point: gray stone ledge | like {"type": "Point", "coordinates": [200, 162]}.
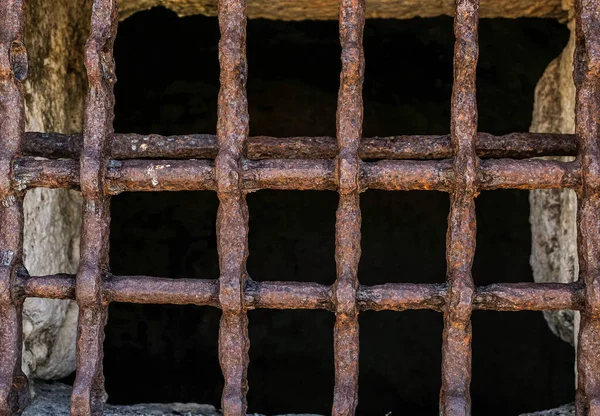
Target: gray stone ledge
{"type": "Point", "coordinates": [566, 410]}
{"type": "Point", "coordinates": [53, 399]}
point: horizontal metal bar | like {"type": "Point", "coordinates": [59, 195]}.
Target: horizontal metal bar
{"type": "Point", "coordinates": [157, 290]}
{"type": "Point", "coordinates": [307, 295]}
{"type": "Point", "coordinates": [297, 174]}
{"type": "Point", "coordinates": [527, 174]}
{"type": "Point", "coordinates": [402, 296]}
{"type": "Point", "coordinates": [204, 146]}
{"type": "Point", "coordinates": [406, 175]}
{"type": "Point", "coordinates": [55, 286]}
{"type": "Point", "coordinates": [280, 295]}
{"type": "Point", "coordinates": [529, 297]}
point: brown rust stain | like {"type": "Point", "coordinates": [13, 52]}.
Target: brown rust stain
{"type": "Point", "coordinates": [13, 71]}
{"type": "Point", "coordinates": [204, 146]}
{"type": "Point", "coordinates": [455, 398]}
{"type": "Point", "coordinates": [587, 128]}
{"type": "Point", "coordinates": [232, 215]}
{"type": "Point", "coordinates": [348, 216]}
{"type": "Point", "coordinates": [306, 295]}
{"type": "Point", "coordinates": [88, 395]}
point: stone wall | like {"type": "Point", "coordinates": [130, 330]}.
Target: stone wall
{"type": "Point", "coordinates": [328, 9]}
{"type": "Point", "coordinates": [553, 212]}
{"type": "Point", "coordinates": [54, 93]}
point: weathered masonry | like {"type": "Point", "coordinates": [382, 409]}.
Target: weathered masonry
{"type": "Point", "coordinates": [232, 164]}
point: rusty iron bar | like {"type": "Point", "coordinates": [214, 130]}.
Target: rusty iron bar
{"type": "Point", "coordinates": [14, 390]}
{"type": "Point", "coordinates": [88, 395]}
{"type": "Point", "coordinates": [587, 128]}
{"type": "Point", "coordinates": [509, 297]}
{"type": "Point", "coordinates": [204, 146]}
{"type": "Point", "coordinates": [348, 217]}
{"type": "Point", "coordinates": [297, 174]}
{"type": "Point", "coordinates": [232, 214]}
{"type": "Point", "coordinates": [455, 397]}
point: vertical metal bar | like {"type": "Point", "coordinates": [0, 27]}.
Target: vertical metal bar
{"type": "Point", "coordinates": [232, 215]}
{"type": "Point", "coordinates": [455, 397]}
{"type": "Point", "coordinates": [13, 70]}
{"type": "Point", "coordinates": [348, 217]}
{"type": "Point", "coordinates": [587, 128]}
{"type": "Point", "coordinates": [89, 395]}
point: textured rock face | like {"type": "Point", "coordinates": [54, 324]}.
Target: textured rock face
{"type": "Point", "coordinates": [54, 95]}
{"type": "Point", "coordinates": [51, 245]}
{"type": "Point", "coordinates": [566, 410]}
{"type": "Point", "coordinates": [553, 212]}
{"type": "Point", "coordinates": [328, 9]}
{"type": "Point", "coordinates": [54, 400]}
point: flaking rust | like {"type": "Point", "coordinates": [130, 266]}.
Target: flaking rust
{"type": "Point", "coordinates": [204, 146]}
{"type": "Point", "coordinates": [232, 215]}
{"type": "Point", "coordinates": [455, 397]}
{"type": "Point", "coordinates": [587, 128]}
{"type": "Point", "coordinates": [348, 215]}
{"type": "Point", "coordinates": [89, 396]}
{"type": "Point", "coordinates": [13, 71]}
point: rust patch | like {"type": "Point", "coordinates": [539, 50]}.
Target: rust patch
{"type": "Point", "coordinates": [232, 215]}
{"type": "Point", "coordinates": [89, 396]}
{"type": "Point", "coordinates": [587, 128]}
{"type": "Point", "coordinates": [14, 391]}
{"type": "Point", "coordinates": [204, 146]}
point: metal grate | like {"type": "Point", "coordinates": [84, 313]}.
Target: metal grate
{"type": "Point", "coordinates": [110, 164]}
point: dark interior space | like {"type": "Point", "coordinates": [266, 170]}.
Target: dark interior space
{"type": "Point", "coordinates": [167, 69]}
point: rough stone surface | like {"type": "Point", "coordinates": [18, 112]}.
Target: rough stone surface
{"type": "Point", "coordinates": [553, 212]}
{"type": "Point", "coordinates": [566, 410]}
{"type": "Point", "coordinates": [328, 9]}
{"type": "Point", "coordinates": [54, 93]}
{"type": "Point", "coordinates": [53, 399]}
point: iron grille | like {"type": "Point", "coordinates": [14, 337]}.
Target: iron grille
{"type": "Point", "coordinates": [233, 164]}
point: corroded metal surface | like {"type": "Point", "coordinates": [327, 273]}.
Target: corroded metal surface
{"type": "Point", "coordinates": [348, 217]}
{"type": "Point", "coordinates": [13, 70]}
{"type": "Point", "coordinates": [232, 215]}
{"type": "Point", "coordinates": [88, 390]}
{"type": "Point", "coordinates": [587, 128]}
{"type": "Point", "coordinates": [306, 295]}
{"type": "Point", "coordinates": [461, 164]}
{"type": "Point", "coordinates": [288, 174]}
{"type": "Point", "coordinates": [455, 397]}
{"type": "Point", "coordinates": [204, 146]}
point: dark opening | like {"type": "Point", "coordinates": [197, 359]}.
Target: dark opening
{"type": "Point", "coordinates": [168, 84]}
{"type": "Point", "coordinates": [400, 363]}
